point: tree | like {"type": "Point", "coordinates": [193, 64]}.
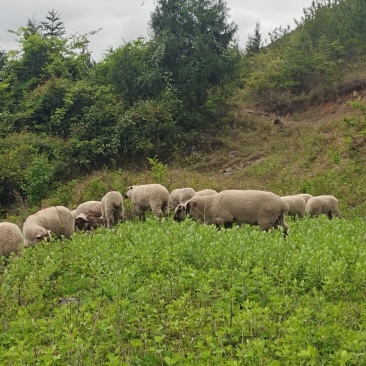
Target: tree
{"type": "Point", "coordinates": [254, 42]}
{"type": "Point", "coordinates": [53, 26]}
{"type": "Point", "coordinates": [38, 176]}
{"type": "Point", "coordinates": [195, 38]}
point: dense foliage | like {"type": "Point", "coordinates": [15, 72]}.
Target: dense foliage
{"type": "Point", "coordinates": [308, 64]}
{"type": "Point", "coordinates": [163, 293]}
{"type": "Point", "coordinates": [146, 98]}
{"type": "Point", "coordinates": [166, 96]}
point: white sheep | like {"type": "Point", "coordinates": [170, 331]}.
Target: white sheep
{"type": "Point", "coordinates": [149, 196]}
{"type": "Point", "coordinates": [88, 215]}
{"type": "Point", "coordinates": [325, 204]}
{"type": "Point", "coordinates": [180, 195]}
{"type": "Point", "coordinates": [112, 208]}
{"type": "Point", "coordinates": [237, 206]}
{"type": "Point", "coordinates": [56, 220]}
{"type": "Point", "coordinates": [11, 238]}
{"type": "Point", "coordinates": [206, 192]}
{"type": "Point", "coordinates": [296, 204]}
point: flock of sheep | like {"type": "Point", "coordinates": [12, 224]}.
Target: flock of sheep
{"type": "Point", "coordinates": [227, 207]}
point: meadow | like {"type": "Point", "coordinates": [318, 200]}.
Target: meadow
{"type": "Point", "coordinates": [163, 293]}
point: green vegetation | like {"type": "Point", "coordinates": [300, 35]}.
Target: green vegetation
{"type": "Point", "coordinates": [312, 63]}
{"type": "Point", "coordinates": [187, 108]}
{"type": "Point", "coordinates": [163, 293]}
{"type": "Point", "coordinates": [180, 96]}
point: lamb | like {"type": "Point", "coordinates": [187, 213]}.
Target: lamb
{"type": "Point", "coordinates": [11, 238]}
{"type": "Point", "coordinates": [56, 220]}
{"type": "Point", "coordinates": [237, 206]}
{"type": "Point", "coordinates": [296, 204]}
{"type": "Point", "coordinates": [206, 192]}
{"type": "Point", "coordinates": [88, 215]}
{"type": "Point", "coordinates": [112, 208]}
{"type": "Point", "coordinates": [180, 195]}
{"type": "Point", "coordinates": [149, 196]}
{"type": "Point", "coordinates": [324, 204]}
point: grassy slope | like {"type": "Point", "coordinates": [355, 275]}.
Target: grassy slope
{"type": "Point", "coordinates": [310, 152]}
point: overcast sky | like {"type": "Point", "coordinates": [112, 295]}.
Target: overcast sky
{"type": "Point", "coordinates": [125, 20]}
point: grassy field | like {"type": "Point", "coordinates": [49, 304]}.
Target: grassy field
{"type": "Point", "coordinates": [163, 293]}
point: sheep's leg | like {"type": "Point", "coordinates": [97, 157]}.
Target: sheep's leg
{"type": "Point", "coordinates": [157, 210]}
{"type": "Point", "coordinates": [165, 209]}
{"type": "Point", "coordinates": [329, 214]}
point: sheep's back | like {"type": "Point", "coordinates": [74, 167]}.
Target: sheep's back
{"type": "Point", "coordinates": [58, 219]}
{"type": "Point", "coordinates": [146, 193]}
{"type": "Point", "coordinates": [244, 206]}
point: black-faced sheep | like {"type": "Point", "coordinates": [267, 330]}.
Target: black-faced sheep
{"type": "Point", "coordinates": [88, 215]}
{"type": "Point", "coordinates": [149, 196]}
{"type": "Point", "coordinates": [11, 238]}
{"type": "Point", "coordinates": [296, 204]}
{"type": "Point", "coordinates": [112, 208]}
{"type": "Point", "coordinates": [57, 221]}
{"type": "Point", "coordinates": [180, 195]}
{"type": "Point", "coordinates": [325, 204]}
{"type": "Point", "coordinates": [237, 206]}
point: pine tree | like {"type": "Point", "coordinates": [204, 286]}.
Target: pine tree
{"type": "Point", "coordinates": [53, 26]}
{"type": "Point", "coordinates": [254, 42]}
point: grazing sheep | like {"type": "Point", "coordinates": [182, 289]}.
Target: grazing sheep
{"type": "Point", "coordinates": [305, 196]}
{"type": "Point", "coordinates": [88, 215]}
{"type": "Point", "coordinates": [325, 204]}
{"type": "Point", "coordinates": [180, 195]}
{"type": "Point", "coordinates": [149, 196]}
{"type": "Point", "coordinates": [237, 206]}
{"type": "Point", "coordinates": [296, 205]}
{"type": "Point", "coordinates": [206, 192]}
{"type": "Point", "coordinates": [112, 208]}
{"type": "Point", "coordinates": [56, 220]}
{"type": "Point", "coordinates": [11, 238]}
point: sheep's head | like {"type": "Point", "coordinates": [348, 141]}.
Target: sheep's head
{"type": "Point", "coordinates": [82, 222]}
{"type": "Point", "coordinates": [41, 234]}
{"type": "Point", "coordinates": [180, 212]}
{"type": "Point", "coordinates": [129, 192]}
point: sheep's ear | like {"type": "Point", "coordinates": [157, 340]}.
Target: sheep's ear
{"type": "Point", "coordinates": [187, 206]}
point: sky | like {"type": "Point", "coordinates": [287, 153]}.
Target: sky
{"type": "Point", "coordinates": [125, 20]}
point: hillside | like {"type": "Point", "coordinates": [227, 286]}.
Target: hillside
{"type": "Point", "coordinates": [310, 151]}
{"type": "Point", "coordinates": [313, 151]}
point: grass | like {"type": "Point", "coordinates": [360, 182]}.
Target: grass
{"type": "Point", "coordinates": [163, 293]}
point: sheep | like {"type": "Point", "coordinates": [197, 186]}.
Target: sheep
{"type": "Point", "coordinates": [296, 204]}
{"type": "Point", "coordinates": [56, 220]}
{"type": "Point", "coordinates": [325, 204]}
{"type": "Point", "coordinates": [180, 195]}
{"type": "Point", "coordinates": [11, 238]}
{"type": "Point", "coordinates": [145, 196]}
{"type": "Point", "coordinates": [112, 208]}
{"type": "Point", "coordinates": [206, 192]}
{"type": "Point", "coordinates": [237, 206]}
{"type": "Point", "coordinates": [88, 215]}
